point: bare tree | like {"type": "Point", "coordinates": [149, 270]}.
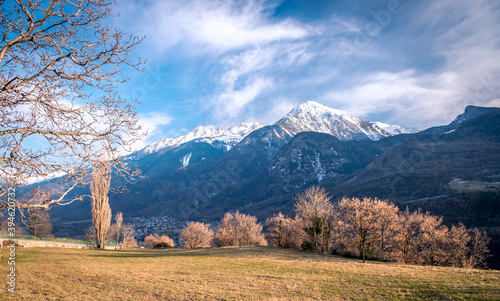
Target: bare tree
{"type": "Point", "coordinates": [406, 238]}
{"type": "Point", "coordinates": [464, 247]}
{"type": "Point", "coordinates": [90, 235]}
{"type": "Point", "coordinates": [314, 208]}
{"type": "Point", "coordinates": [59, 68]}
{"type": "Point", "coordinates": [276, 226]}
{"type": "Point", "coordinates": [118, 223]}
{"type": "Point", "coordinates": [197, 235]}
{"type": "Point", "coordinates": [127, 230]}
{"type": "Point", "coordinates": [37, 222]}
{"type": "Point", "coordinates": [239, 229]}
{"type": "Point", "coordinates": [101, 212]}
{"type": "Point", "coordinates": [286, 232]}
{"type": "Point", "coordinates": [478, 249]}
{"type": "Point", "coordinates": [366, 223]}
{"type": "Point", "coordinates": [432, 241]}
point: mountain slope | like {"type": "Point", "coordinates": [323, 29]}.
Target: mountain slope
{"type": "Point", "coordinates": [425, 163]}
{"type": "Point", "coordinates": [309, 159]}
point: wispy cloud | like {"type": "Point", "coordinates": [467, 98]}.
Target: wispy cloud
{"type": "Point", "coordinates": [198, 26]}
{"type": "Point", "coordinates": [466, 37]}
{"type": "Point", "coordinates": [151, 123]}
{"type": "Point", "coordinates": [252, 74]}
{"type": "Point", "coordinates": [230, 104]}
{"type": "Point", "coordinates": [422, 67]}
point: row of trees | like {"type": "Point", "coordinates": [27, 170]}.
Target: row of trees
{"type": "Point", "coordinates": [376, 229]}
{"type": "Point", "coordinates": [236, 229]}
{"type": "Point", "coordinates": [364, 228]}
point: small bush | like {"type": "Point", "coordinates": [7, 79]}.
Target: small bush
{"type": "Point", "coordinates": [153, 239]}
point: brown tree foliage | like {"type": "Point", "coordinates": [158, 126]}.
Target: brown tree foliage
{"type": "Point", "coordinates": [38, 222]}
{"type": "Point", "coordinates": [101, 212]}
{"type": "Point", "coordinates": [59, 68]}
{"type": "Point", "coordinates": [197, 235]}
{"type": "Point", "coordinates": [239, 229]}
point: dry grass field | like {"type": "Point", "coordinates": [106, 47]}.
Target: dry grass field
{"type": "Point", "coordinates": [257, 273]}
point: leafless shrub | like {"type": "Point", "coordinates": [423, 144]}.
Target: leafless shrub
{"type": "Point", "coordinates": [197, 235]}
{"type": "Point", "coordinates": [154, 239]}
{"type": "Point", "coordinates": [239, 230]}
{"type": "Point", "coordinates": [129, 242]}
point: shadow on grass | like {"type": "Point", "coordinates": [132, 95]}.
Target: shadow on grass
{"type": "Point", "coordinates": [234, 252]}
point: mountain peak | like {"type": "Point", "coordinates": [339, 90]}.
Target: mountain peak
{"type": "Point", "coordinates": [315, 117]}
{"type": "Point", "coordinates": [473, 112]}
{"type": "Point", "coordinates": [315, 108]}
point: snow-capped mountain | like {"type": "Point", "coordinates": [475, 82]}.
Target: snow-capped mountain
{"type": "Point", "coordinates": [397, 129]}
{"type": "Point", "coordinates": [207, 134]}
{"type": "Point", "coordinates": [314, 117]}
{"type": "Point", "coordinates": [307, 117]}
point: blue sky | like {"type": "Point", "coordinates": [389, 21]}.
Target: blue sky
{"type": "Point", "coordinates": [413, 63]}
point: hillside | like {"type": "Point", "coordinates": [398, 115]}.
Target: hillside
{"type": "Point", "coordinates": [259, 273]}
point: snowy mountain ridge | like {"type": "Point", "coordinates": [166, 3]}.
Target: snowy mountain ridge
{"type": "Point", "coordinates": [397, 129]}
{"type": "Point", "coordinates": [207, 134]}
{"type": "Point", "coordinates": [315, 117]}
{"type": "Point", "coordinates": [307, 117]}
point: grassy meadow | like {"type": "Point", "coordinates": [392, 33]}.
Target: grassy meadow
{"type": "Point", "coordinates": [257, 273]}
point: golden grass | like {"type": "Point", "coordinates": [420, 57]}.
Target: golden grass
{"type": "Point", "coordinates": [258, 273]}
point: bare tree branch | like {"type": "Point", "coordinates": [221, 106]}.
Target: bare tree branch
{"type": "Point", "coordinates": [54, 57]}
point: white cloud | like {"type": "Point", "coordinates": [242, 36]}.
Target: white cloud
{"type": "Point", "coordinates": [412, 99]}
{"type": "Point", "coordinates": [467, 40]}
{"type": "Point", "coordinates": [152, 123]}
{"type": "Point", "coordinates": [279, 107]}
{"type": "Point", "coordinates": [256, 64]}
{"type": "Point", "coordinates": [230, 104]}
{"type": "Point", "coordinates": [199, 25]}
